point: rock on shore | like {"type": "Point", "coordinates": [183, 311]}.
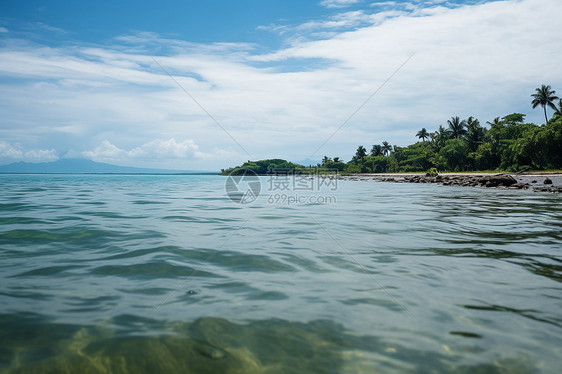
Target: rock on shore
{"type": "Point", "coordinates": [504, 181]}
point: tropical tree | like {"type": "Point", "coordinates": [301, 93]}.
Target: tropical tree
{"type": "Point", "coordinates": [335, 165]}
{"type": "Point", "coordinates": [440, 136]}
{"type": "Point", "coordinates": [376, 164]}
{"type": "Point", "coordinates": [457, 127]}
{"type": "Point", "coordinates": [376, 150]}
{"type": "Point", "coordinates": [495, 122]}
{"type": "Point", "coordinates": [423, 134]}
{"type": "Point", "coordinates": [454, 155]}
{"type": "Point", "coordinates": [386, 148]}
{"type": "Point", "coordinates": [360, 153]}
{"type": "Point", "coordinates": [472, 122]}
{"type": "Point", "coordinates": [544, 97]}
{"type": "Point", "coordinates": [514, 119]}
{"type": "Point", "coordinates": [325, 160]}
{"type": "Point", "coordinates": [558, 111]}
{"type": "Point", "coordinates": [540, 146]}
{"type": "Point", "coordinates": [474, 133]}
{"type": "Point", "coordinates": [415, 157]}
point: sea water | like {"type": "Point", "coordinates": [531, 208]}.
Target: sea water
{"type": "Point", "coordinates": [171, 274]}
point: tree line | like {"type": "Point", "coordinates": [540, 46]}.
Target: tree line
{"type": "Point", "coordinates": [508, 144]}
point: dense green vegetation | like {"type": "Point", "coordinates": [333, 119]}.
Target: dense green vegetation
{"type": "Point", "coordinates": [262, 166]}
{"type": "Point", "coordinates": [508, 144]}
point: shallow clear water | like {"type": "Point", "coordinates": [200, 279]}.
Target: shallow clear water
{"type": "Point", "coordinates": [130, 274]}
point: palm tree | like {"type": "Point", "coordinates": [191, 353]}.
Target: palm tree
{"type": "Point", "coordinates": [361, 153]}
{"type": "Point", "coordinates": [457, 127]}
{"type": "Point", "coordinates": [495, 122]}
{"type": "Point", "coordinates": [558, 111]}
{"type": "Point", "coordinates": [440, 136]}
{"type": "Point", "coordinates": [386, 148]}
{"type": "Point", "coordinates": [442, 133]}
{"type": "Point", "coordinates": [325, 160]}
{"type": "Point", "coordinates": [474, 133]}
{"type": "Point", "coordinates": [544, 97]}
{"type": "Point", "coordinates": [336, 159]}
{"type": "Point", "coordinates": [471, 121]}
{"type": "Point", "coordinates": [376, 150]}
{"type": "Point", "coordinates": [423, 134]}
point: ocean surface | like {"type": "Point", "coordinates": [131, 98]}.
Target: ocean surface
{"type": "Point", "coordinates": [170, 274]}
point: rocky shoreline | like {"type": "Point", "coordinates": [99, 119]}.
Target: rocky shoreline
{"type": "Point", "coordinates": [538, 183]}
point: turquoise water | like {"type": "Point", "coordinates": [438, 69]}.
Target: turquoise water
{"type": "Point", "coordinates": [133, 274]}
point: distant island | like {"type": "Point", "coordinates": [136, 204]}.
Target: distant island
{"type": "Point", "coordinates": [83, 166]}
{"type": "Point", "coordinates": [508, 145]}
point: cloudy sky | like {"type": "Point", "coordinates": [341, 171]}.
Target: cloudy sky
{"type": "Point", "coordinates": [209, 84]}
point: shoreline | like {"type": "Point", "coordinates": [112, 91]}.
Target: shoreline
{"type": "Point", "coordinates": [537, 182]}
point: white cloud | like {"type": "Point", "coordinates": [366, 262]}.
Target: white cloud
{"type": "Point", "coordinates": [3, 30]}
{"type": "Point", "coordinates": [341, 20]}
{"type": "Point", "coordinates": [273, 27]}
{"type": "Point", "coordinates": [40, 155]}
{"type": "Point", "coordinates": [105, 152]}
{"type": "Point", "coordinates": [12, 153]}
{"type": "Point", "coordinates": [344, 20]}
{"type": "Point", "coordinates": [167, 149]}
{"type": "Point", "coordinates": [338, 3]}
{"type": "Point", "coordinates": [7, 150]}
{"type": "Point", "coordinates": [154, 152]}
{"type": "Point", "coordinates": [482, 60]}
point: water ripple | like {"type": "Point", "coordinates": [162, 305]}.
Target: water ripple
{"type": "Point", "coordinates": [166, 274]}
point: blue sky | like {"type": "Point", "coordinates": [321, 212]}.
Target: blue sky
{"type": "Point", "coordinates": [258, 79]}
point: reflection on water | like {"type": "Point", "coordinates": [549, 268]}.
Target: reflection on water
{"type": "Point", "coordinates": [164, 274]}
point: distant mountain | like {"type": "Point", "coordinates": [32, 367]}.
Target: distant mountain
{"type": "Point", "coordinates": [76, 166]}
